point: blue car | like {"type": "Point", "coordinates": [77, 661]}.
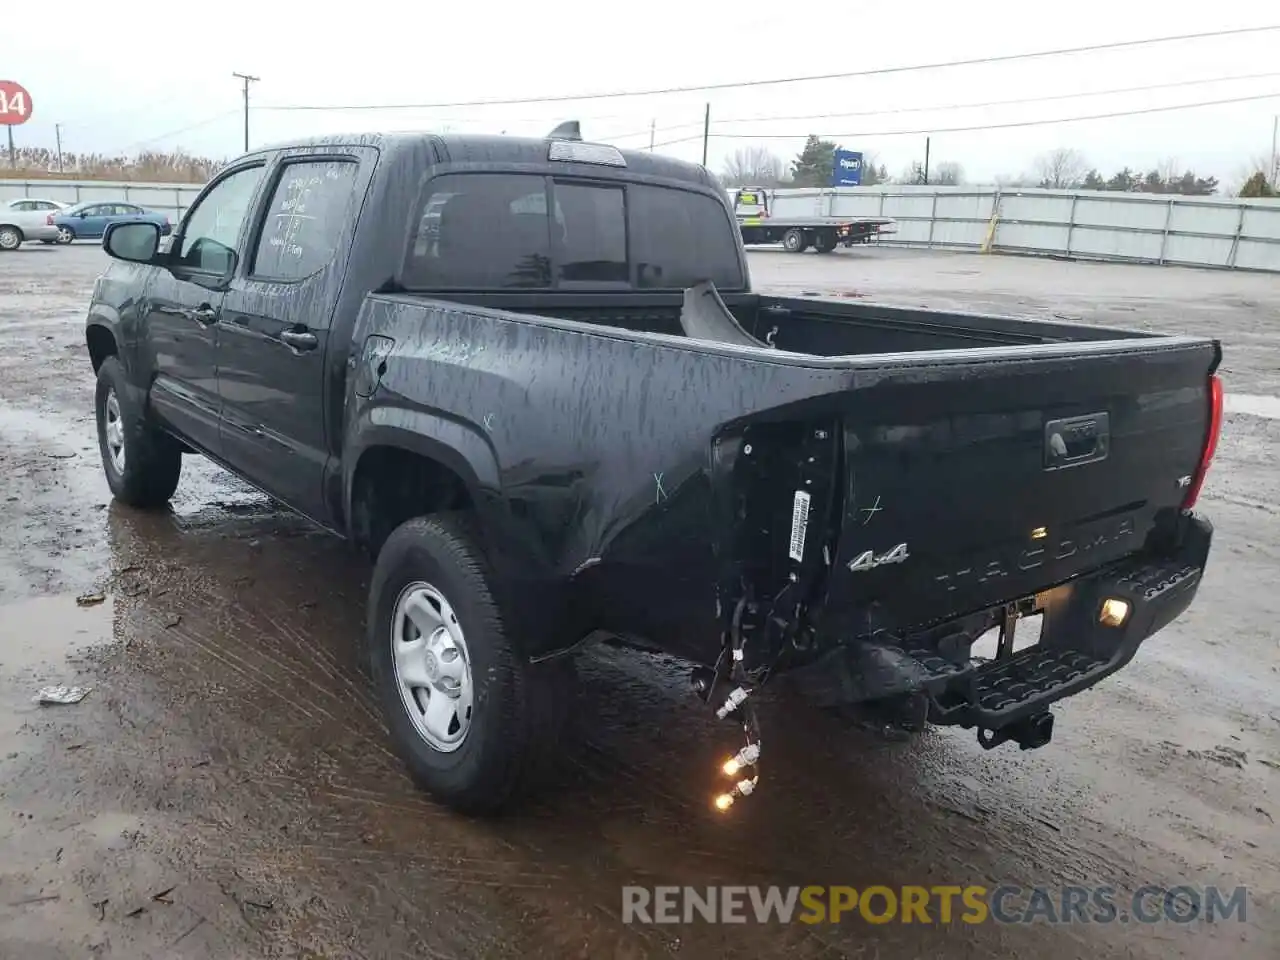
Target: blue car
{"type": "Point", "coordinates": [89, 220]}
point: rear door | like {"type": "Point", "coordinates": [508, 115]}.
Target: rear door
{"type": "Point", "coordinates": [276, 319]}
{"type": "Point", "coordinates": [183, 309]}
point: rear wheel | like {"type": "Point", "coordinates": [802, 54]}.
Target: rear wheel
{"type": "Point", "coordinates": [142, 463]}
{"type": "Point", "coordinates": [10, 238]}
{"type": "Point", "coordinates": [473, 720]}
{"type": "Point", "coordinates": [793, 241]}
{"type": "Point", "coordinates": [825, 241]}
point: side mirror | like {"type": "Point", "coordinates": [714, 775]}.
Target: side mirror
{"type": "Point", "coordinates": [220, 281]}
{"type": "Point", "coordinates": [82, 214]}
{"type": "Point", "coordinates": [135, 242]}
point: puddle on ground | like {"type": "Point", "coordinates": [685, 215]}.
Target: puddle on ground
{"type": "Point", "coordinates": [1257, 406]}
{"type": "Point", "coordinates": [39, 636]}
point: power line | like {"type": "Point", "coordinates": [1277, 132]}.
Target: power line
{"type": "Point", "coordinates": [742, 84]}
{"type": "Point", "coordinates": [940, 108]}
{"type": "Point", "coordinates": [194, 126]}
{"type": "Point", "coordinates": [668, 143]}
{"type": "Point", "coordinates": [996, 126]}
{"type": "Point", "coordinates": [1001, 103]}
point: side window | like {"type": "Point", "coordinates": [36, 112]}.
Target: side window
{"type": "Point", "coordinates": [211, 230]}
{"type": "Point", "coordinates": [593, 223]}
{"type": "Point", "coordinates": [305, 218]}
{"type": "Point", "coordinates": [23, 206]}
{"type": "Point", "coordinates": [482, 231]}
{"type": "Point", "coordinates": [95, 210]}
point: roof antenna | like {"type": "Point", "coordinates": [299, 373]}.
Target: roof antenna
{"type": "Point", "coordinates": [569, 130]}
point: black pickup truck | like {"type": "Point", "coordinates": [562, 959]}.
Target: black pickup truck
{"type": "Point", "coordinates": [531, 378]}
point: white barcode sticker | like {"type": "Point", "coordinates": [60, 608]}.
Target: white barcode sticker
{"type": "Point", "coordinates": [799, 525]}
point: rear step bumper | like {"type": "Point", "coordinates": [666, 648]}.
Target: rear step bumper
{"type": "Point", "coordinates": [1075, 650]}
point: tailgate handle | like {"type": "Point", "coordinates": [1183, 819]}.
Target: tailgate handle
{"type": "Point", "coordinates": [1076, 440]}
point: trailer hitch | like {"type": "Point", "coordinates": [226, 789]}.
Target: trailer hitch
{"type": "Point", "coordinates": [1029, 734]}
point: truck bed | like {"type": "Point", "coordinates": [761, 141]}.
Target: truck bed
{"type": "Point", "coordinates": [808, 326]}
{"type": "Point", "coordinates": [951, 462]}
{"type": "Point", "coordinates": [773, 221]}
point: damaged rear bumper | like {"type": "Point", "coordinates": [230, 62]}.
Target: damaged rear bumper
{"type": "Point", "coordinates": [1012, 693]}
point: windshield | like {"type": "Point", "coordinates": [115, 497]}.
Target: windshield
{"type": "Point", "coordinates": [481, 231]}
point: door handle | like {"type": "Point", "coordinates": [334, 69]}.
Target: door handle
{"type": "Point", "coordinates": [299, 340]}
{"type": "Point", "coordinates": [204, 315]}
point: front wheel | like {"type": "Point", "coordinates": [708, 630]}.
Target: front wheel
{"type": "Point", "coordinates": [471, 717]}
{"type": "Point", "coordinates": [793, 241]}
{"type": "Point", "coordinates": [142, 464]}
{"type": "Point", "coordinates": [10, 238]}
{"type": "Point", "coordinates": [65, 235]}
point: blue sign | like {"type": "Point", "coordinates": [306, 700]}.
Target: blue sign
{"type": "Point", "coordinates": [847, 169]}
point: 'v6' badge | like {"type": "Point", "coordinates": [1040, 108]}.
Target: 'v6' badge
{"type": "Point", "coordinates": [869, 559]}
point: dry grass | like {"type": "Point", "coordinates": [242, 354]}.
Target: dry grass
{"type": "Point", "coordinates": [37, 163]}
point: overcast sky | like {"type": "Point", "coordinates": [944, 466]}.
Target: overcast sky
{"type": "Point", "coordinates": [159, 75]}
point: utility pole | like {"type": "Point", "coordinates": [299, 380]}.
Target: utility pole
{"type": "Point", "coordinates": [1275, 160]}
{"type": "Point", "coordinates": [654, 123]}
{"type": "Point", "coordinates": [926, 159]}
{"type": "Point", "coordinates": [247, 80]}
{"type": "Point", "coordinates": [57, 132]}
{"type": "Point", "coordinates": [13, 153]}
{"type": "Point", "coordinates": [706, 133]}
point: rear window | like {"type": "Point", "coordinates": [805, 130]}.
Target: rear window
{"type": "Point", "coordinates": [680, 238]}
{"type": "Point", "coordinates": [505, 231]}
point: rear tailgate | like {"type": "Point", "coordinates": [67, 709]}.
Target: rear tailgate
{"type": "Point", "coordinates": [971, 485]}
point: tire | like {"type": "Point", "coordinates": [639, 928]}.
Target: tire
{"type": "Point", "coordinates": [66, 235]}
{"type": "Point", "coordinates": [793, 241]}
{"type": "Point", "coordinates": [143, 469]}
{"type": "Point", "coordinates": [10, 238]}
{"type": "Point", "coordinates": [517, 710]}
{"type": "Point", "coordinates": [824, 242]}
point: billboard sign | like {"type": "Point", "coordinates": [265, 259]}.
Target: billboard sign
{"type": "Point", "coordinates": [846, 169]}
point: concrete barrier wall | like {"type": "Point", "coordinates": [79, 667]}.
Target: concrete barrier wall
{"type": "Point", "coordinates": [1192, 231]}
{"type": "Point", "coordinates": [168, 198]}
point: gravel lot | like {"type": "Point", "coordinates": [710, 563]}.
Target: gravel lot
{"type": "Point", "coordinates": [225, 790]}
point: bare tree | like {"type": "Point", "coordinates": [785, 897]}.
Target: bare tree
{"type": "Point", "coordinates": [1169, 170]}
{"type": "Point", "coordinates": [753, 166]}
{"type": "Point", "coordinates": [1063, 168]}
{"type": "Point", "coordinates": [948, 174]}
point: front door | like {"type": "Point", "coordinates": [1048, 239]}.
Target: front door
{"type": "Point", "coordinates": [183, 308]}
{"type": "Point", "coordinates": [93, 221]}
{"type": "Point", "coordinates": [274, 333]}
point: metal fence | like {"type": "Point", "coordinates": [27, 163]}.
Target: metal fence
{"type": "Point", "coordinates": [167, 198]}
{"type": "Point", "coordinates": [1142, 228]}
{"type": "Point", "coordinates": [1085, 224]}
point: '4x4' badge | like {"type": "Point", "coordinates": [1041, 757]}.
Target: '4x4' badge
{"type": "Point", "coordinates": [869, 559]}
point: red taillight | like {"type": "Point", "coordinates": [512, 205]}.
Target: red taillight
{"type": "Point", "coordinates": [1210, 443]}
{"type": "Point", "coordinates": [48, 221]}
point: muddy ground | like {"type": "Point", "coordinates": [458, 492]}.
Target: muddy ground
{"type": "Point", "coordinates": [225, 789]}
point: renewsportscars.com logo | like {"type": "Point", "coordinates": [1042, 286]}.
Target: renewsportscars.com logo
{"type": "Point", "coordinates": [940, 904]}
